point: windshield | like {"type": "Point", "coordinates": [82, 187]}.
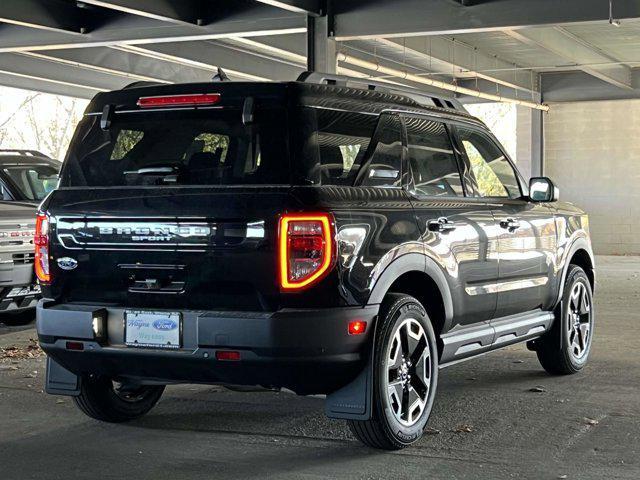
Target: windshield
{"type": "Point", "coordinates": [190, 147]}
{"type": "Point", "coordinates": [34, 181]}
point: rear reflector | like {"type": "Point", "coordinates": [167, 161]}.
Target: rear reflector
{"type": "Point", "coordinates": [179, 100]}
{"type": "Point", "coordinates": [306, 249]}
{"type": "Point", "coordinates": [357, 327]}
{"type": "Point", "coordinates": [75, 346]}
{"type": "Point", "coordinates": [229, 355]}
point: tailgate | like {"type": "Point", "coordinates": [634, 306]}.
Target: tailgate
{"type": "Point", "coordinates": [186, 248]}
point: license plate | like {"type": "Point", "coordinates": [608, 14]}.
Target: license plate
{"type": "Point", "coordinates": [22, 291]}
{"type": "Point", "coordinates": [153, 329]}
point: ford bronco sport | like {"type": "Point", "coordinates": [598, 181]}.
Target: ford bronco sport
{"type": "Point", "coordinates": [319, 236]}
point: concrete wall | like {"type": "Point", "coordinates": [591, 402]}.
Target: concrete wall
{"type": "Point", "coordinates": [592, 151]}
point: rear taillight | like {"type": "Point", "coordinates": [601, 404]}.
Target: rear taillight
{"type": "Point", "coordinates": [306, 249]}
{"type": "Point", "coordinates": [41, 241]}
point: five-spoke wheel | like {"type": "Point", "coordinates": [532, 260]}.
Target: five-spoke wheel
{"type": "Point", "coordinates": [409, 372]}
{"type": "Point", "coordinates": [405, 375]}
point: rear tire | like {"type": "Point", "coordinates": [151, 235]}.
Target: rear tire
{"type": "Point", "coordinates": [405, 375]}
{"type": "Point", "coordinates": [565, 349]}
{"type": "Point", "coordinates": [102, 399]}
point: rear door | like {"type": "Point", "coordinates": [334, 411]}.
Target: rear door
{"type": "Point", "coordinates": [526, 230]}
{"type": "Point", "coordinates": [457, 231]}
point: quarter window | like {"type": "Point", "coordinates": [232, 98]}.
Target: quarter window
{"type": "Point", "coordinates": [493, 173]}
{"type": "Point", "coordinates": [433, 164]}
{"type": "Point", "coordinates": [385, 162]}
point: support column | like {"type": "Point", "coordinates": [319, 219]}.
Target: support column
{"type": "Point", "coordinates": [537, 143]}
{"type": "Point", "coordinates": [321, 46]}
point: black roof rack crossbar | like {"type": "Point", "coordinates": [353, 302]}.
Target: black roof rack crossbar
{"type": "Point", "coordinates": [26, 153]}
{"type": "Point", "coordinates": [423, 98]}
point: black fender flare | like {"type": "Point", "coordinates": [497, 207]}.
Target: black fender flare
{"type": "Point", "coordinates": [412, 262]}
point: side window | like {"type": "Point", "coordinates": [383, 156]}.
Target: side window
{"type": "Point", "coordinates": [384, 167]}
{"type": "Point", "coordinates": [332, 144]}
{"type": "Point", "coordinates": [433, 164]}
{"type": "Point", "coordinates": [494, 175]}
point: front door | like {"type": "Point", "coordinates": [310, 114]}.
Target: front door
{"type": "Point", "coordinates": [526, 239]}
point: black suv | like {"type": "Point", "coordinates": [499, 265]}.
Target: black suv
{"type": "Point", "coordinates": [320, 236]}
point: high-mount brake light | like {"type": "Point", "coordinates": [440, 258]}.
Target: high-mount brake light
{"type": "Point", "coordinates": [179, 100]}
{"type": "Point", "coordinates": [306, 249]}
{"type": "Point", "coordinates": [41, 242]}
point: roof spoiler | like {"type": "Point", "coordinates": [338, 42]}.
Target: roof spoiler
{"type": "Point", "coordinates": [423, 98]}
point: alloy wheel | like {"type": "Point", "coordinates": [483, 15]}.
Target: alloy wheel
{"type": "Point", "coordinates": [579, 320]}
{"type": "Point", "coordinates": [408, 366]}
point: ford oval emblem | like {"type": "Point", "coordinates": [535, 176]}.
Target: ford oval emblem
{"type": "Point", "coordinates": [67, 263]}
{"type": "Point", "coordinates": [165, 324]}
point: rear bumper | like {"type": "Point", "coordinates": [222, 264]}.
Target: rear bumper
{"type": "Point", "coordinates": [18, 290]}
{"type": "Point", "coordinates": [307, 351]}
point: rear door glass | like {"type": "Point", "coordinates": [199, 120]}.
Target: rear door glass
{"type": "Point", "coordinates": [432, 161]}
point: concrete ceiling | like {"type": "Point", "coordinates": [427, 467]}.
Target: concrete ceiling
{"type": "Point", "coordinates": [81, 47]}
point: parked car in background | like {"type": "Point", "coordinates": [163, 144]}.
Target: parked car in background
{"type": "Point", "coordinates": [323, 236]}
{"type": "Point", "coordinates": [26, 177]}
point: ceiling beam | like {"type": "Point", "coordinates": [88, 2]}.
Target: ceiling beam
{"type": "Point", "coordinates": [177, 11]}
{"type": "Point", "coordinates": [576, 50]}
{"type": "Point", "coordinates": [446, 56]}
{"type": "Point", "coordinates": [132, 30]}
{"type": "Point", "coordinates": [36, 68]}
{"type": "Point", "coordinates": [52, 15]}
{"type": "Point", "coordinates": [89, 61]}
{"type": "Point", "coordinates": [45, 85]}
{"type": "Point", "coordinates": [401, 18]}
{"type": "Point", "coordinates": [308, 7]}
{"type": "Point", "coordinates": [580, 87]}
{"type": "Point", "coordinates": [205, 66]}
{"type": "Point", "coordinates": [229, 57]}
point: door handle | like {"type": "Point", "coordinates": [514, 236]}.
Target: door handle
{"type": "Point", "coordinates": [510, 224]}
{"type": "Point", "coordinates": [442, 224]}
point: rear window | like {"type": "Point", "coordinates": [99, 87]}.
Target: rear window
{"type": "Point", "coordinates": [34, 181]}
{"type": "Point", "coordinates": [190, 147]}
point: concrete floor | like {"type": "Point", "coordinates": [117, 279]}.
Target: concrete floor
{"type": "Point", "coordinates": [586, 426]}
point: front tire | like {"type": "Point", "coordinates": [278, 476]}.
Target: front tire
{"type": "Point", "coordinates": [565, 349]}
{"type": "Point", "coordinates": [405, 375]}
{"type": "Point", "coordinates": [108, 401]}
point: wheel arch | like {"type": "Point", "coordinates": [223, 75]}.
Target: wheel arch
{"type": "Point", "coordinates": [579, 254]}
{"type": "Point", "coordinates": [421, 277]}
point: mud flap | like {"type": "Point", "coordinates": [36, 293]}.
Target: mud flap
{"type": "Point", "coordinates": [353, 401]}
{"type": "Point", "coordinates": [61, 381]}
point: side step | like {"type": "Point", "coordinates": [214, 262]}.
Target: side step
{"type": "Point", "coordinates": [469, 342]}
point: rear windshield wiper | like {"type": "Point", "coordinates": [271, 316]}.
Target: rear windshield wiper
{"type": "Point", "coordinates": [151, 171]}
{"type": "Point", "coordinates": [168, 174]}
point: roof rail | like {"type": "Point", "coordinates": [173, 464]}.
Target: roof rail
{"type": "Point", "coordinates": [423, 98]}
{"type": "Point", "coordinates": [26, 153]}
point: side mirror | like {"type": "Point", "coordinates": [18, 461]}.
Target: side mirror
{"type": "Point", "coordinates": [542, 189]}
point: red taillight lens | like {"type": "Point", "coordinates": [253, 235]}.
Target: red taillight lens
{"type": "Point", "coordinates": [306, 249]}
{"type": "Point", "coordinates": [179, 100]}
{"type": "Point", "coordinates": [41, 241]}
